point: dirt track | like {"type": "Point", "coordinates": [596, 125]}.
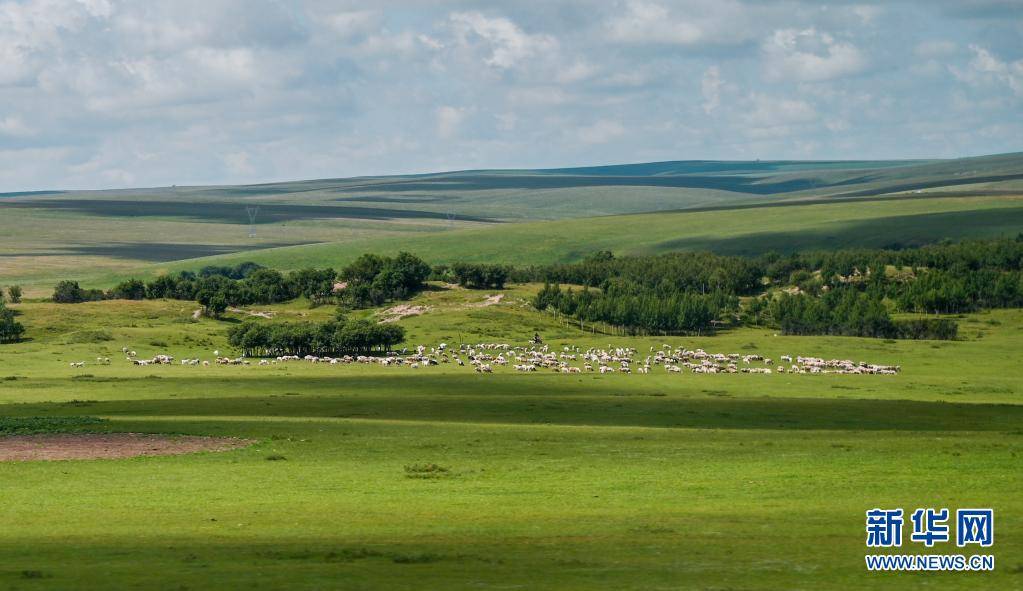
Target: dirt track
{"type": "Point", "coordinates": [96, 446]}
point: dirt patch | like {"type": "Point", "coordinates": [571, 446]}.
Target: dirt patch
{"type": "Point", "coordinates": [257, 314]}
{"type": "Point", "coordinates": [97, 446]}
{"type": "Point", "coordinates": [403, 311]}
{"type": "Point", "coordinates": [490, 301]}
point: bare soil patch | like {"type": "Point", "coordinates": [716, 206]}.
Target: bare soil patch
{"type": "Point", "coordinates": [97, 446]}
{"type": "Point", "coordinates": [402, 311]}
{"type": "Point", "coordinates": [490, 301]}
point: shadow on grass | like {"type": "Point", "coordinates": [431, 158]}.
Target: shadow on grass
{"type": "Point", "coordinates": [904, 231]}
{"type": "Point", "coordinates": [633, 410]}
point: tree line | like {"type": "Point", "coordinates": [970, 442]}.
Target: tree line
{"type": "Point", "coordinates": [337, 337]}
{"type": "Point", "coordinates": [848, 291]}
{"type": "Point", "coordinates": [370, 280]}
{"type": "Point", "coordinates": [846, 311]}
{"type": "Point", "coordinates": [473, 275]}
{"type": "Point", "coordinates": [629, 308]}
{"type": "Point", "coordinates": [845, 292]}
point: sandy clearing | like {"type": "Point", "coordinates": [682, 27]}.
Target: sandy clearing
{"type": "Point", "coordinates": [96, 446]}
{"type": "Point", "coordinates": [490, 301]}
{"type": "Point", "coordinates": [250, 313]}
{"type": "Point", "coordinates": [403, 311]}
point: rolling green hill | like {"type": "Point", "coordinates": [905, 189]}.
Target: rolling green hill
{"type": "Point", "coordinates": [743, 230]}
{"type": "Point", "coordinates": [511, 215]}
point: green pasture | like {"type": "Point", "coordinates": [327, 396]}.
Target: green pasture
{"type": "Point", "coordinates": [730, 231]}
{"type": "Point", "coordinates": [891, 223]}
{"type": "Point", "coordinates": [442, 478]}
{"type": "Point", "coordinates": [502, 215]}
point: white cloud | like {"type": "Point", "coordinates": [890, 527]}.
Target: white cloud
{"type": "Point", "coordinates": [987, 66]}
{"type": "Point", "coordinates": [194, 91]}
{"type": "Point", "coordinates": [809, 55]}
{"type": "Point", "coordinates": [710, 88]}
{"type": "Point", "coordinates": [505, 42]}
{"type": "Point", "coordinates": [867, 13]}
{"type": "Point", "coordinates": [576, 72]}
{"type": "Point", "coordinates": [937, 48]}
{"type": "Point", "coordinates": [649, 22]}
{"type": "Point", "coordinates": [691, 23]}
{"type": "Point", "coordinates": [776, 116]}
{"type": "Point", "coordinates": [353, 23]}
{"type": "Point", "coordinates": [600, 132]}
{"type": "Point", "coordinates": [239, 163]}
{"type": "Point", "coordinates": [449, 119]}
{"type": "Point", "coordinates": [14, 126]}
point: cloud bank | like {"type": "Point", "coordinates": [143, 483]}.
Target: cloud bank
{"type": "Point", "coordinates": [111, 93]}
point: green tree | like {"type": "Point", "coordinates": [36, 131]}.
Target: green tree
{"type": "Point", "coordinates": [132, 289]}
{"type": "Point", "coordinates": [68, 292]}
{"type": "Point", "coordinates": [10, 329]}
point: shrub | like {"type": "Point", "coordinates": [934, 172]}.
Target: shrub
{"type": "Point", "coordinates": [10, 329]}
{"type": "Point", "coordinates": [68, 292]}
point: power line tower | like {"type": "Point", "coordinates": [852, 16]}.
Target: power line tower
{"type": "Point", "coordinates": [451, 218]}
{"type": "Point", "coordinates": [252, 211]}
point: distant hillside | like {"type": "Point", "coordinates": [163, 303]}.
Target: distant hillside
{"type": "Point", "coordinates": [477, 214]}
{"type": "Point", "coordinates": [749, 231]}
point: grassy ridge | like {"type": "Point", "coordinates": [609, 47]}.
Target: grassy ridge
{"type": "Point", "coordinates": [742, 231]}
{"type": "Point", "coordinates": [100, 234]}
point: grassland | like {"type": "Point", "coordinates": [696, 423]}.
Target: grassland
{"type": "Point", "coordinates": [545, 481]}
{"type": "Point", "coordinates": [552, 481]}
{"type": "Point", "coordinates": [910, 222]}
{"type": "Point", "coordinates": [99, 236]}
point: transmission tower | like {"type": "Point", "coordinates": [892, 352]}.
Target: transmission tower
{"type": "Point", "coordinates": [252, 211]}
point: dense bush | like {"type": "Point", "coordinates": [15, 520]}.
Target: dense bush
{"type": "Point", "coordinates": [10, 329]}
{"type": "Point", "coordinates": [215, 288]}
{"type": "Point", "coordinates": [132, 289]}
{"type": "Point", "coordinates": [633, 308]}
{"type": "Point", "coordinates": [240, 271]}
{"type": "Point", "coordinates": [844, 292]}
{"type": "Point", "coordinates": [927, 328]}
{"type": "Point", "coordinates": [700, 272]}
{"type": "Point", "coordinates": [476, 276]}
{"type": "Point", "coordinates": [845, 311]}
{"type": "Point", "coordinates": [373, 280]}
{"type": "Point", "coordinates": [338, 337]}
{"type": "Point", "coordinates": [848, 312]}
{"type": "Point", "coordinates": [69, 292]}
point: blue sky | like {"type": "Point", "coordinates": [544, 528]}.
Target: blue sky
{"type": "Point", "coordinates": [107, 94]}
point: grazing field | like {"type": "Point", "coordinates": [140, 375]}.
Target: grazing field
{"type": "Point", "coordinates": [370, 477]}
{"type": "Point", "coordinates": [791, 228]}
{"type": "Point", "coordinates": [97, 235]}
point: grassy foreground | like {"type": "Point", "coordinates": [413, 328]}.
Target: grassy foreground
{"type": "Point", "coordinates": [545, 481]}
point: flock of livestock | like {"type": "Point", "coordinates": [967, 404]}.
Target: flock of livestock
{"type": "Point", "coordinates": [485, 358]}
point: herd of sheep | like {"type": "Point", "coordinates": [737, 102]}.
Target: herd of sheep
{"type": "Point", "coordinates": [484, 358]}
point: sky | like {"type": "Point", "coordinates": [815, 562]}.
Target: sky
{"type": "Point", "coordinates": [113, 94]}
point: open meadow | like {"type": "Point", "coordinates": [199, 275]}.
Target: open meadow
{"type": "Point", "coordinates": [536, 216]}
{"type": "Point", "coordinates": [391, 477]}
{"type": "Point", "coordinates": [642, 295]}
